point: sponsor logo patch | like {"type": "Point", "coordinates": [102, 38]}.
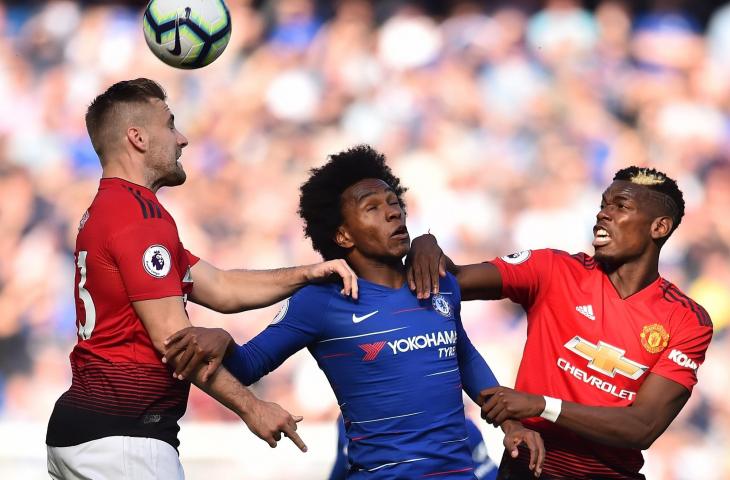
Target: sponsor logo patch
{"type": "Point", "coordinates": [654, 338]}
{"type": "Point", "coordinates": [156, 261]}
{"type": "Point", "coordinates": [444, 342]}
{"type": "Point", "coordinates": [371, 350]}
{"type": "Point", "coordinates": [517, 258]}
{"type": "Point", "coordinates": [682, 360]}
{"type": "Point", "coordinates": [606, 358]}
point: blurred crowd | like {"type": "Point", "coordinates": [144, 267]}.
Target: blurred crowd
{"type": "Point", "coordinates": [505, 124]}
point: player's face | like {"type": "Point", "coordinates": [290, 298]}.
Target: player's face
{"type": "Point", "coordinates": [623, 229]}
{"type": "Point", "coordinates": [166, 144]}
{"type": "Point", "coordinates": [374, 221]}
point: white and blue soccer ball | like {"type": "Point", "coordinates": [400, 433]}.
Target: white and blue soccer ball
{"type": "Point", "coordinates": [187, 33]}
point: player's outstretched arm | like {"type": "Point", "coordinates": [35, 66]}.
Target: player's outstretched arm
{"type": "Point", "coordinates": [164, 316]}
{"type": "Point", "coordinates": [657, 403]}
{"type": "Point", "coordinates": [232, 291]}
{"type": "Point", "coordinates": [426, 262]}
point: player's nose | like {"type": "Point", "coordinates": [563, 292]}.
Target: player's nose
{"type": "Point", "coordinates": [182, 140]}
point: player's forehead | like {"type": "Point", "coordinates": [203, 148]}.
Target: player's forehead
{"type": "Point", "coordinates": [157, 108]}
{"type": "Point", "coordinates": [624, 189]}
{"type": "Point", "coordinates": [365, 188]}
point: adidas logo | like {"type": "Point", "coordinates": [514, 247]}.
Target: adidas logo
{"type": "Point", "coordinates": [586, 310]}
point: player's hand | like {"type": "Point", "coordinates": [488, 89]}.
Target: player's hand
{"type": "Point", "coordinates": [515, 434]}
{"type": "Point", "coordinates": [425, 264]}
{"type": "Point", "coordinates": [331, 269]}
{"type": "Point", "coordinates": [269, 421]}
{"type": "Point", "coordinates": [191, 347]}
{"type": "Point", "coordinates": [502, 403]}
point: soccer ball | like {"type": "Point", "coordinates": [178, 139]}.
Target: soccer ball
{"type": "Point", "coordinates": [187, 33]}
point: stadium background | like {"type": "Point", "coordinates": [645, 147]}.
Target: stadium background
{"type": "Point", "coordinates": [505, 119]}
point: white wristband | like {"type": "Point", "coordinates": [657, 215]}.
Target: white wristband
{"type": "Point", "coordinates": [552, 408]}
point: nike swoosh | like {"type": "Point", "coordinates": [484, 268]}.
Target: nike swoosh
{"type": "Point", "coordinates": [356, 319]}
{"type": "Point", "coordinates": [178, 48]}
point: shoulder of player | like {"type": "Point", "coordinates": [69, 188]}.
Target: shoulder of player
{"type": "Point", "coordinates": [449, 284]}
{"type": "Point", "coordinates": [126, 203]}
{"type": "Point", "coordinates": [316, 295]}
{"type": "Point", "coordinates": [580, 259]}
{"type": "Point", "coordinates": [684, 306]}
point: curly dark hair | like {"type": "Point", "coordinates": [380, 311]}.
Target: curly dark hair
{"type": "Point", "coordinates": [659, 182]}
{"type": "Point", "coordinates": [320, 202]}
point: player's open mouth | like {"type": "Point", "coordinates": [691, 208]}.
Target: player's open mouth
{"type": "Point", "coordinates": [401, 233]}
{"type": "Point", "coordinates": [600, 237]}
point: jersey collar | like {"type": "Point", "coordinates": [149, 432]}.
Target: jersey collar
{"type": "Point", "coordinates": [107, 182]}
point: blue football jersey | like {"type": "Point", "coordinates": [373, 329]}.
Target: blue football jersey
{"type": "Point", "coordinates": [484, 467]}
{"type": "Point", "coordinates": [397, 366]}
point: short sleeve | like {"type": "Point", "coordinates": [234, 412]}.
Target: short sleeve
{"type": "Point", "coordinates": [192, 258]}
{"type": "Point", "coordinates": [525, 275]}
{"type": "Point", "coordinates": [685, 352]}
{"type": "Point", "coordinates": [147, 255]}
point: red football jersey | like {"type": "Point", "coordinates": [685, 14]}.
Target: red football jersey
{"type": "Point", "coordinates": [127, 250]}
{"type": "Point", "coordinates": [588, 345]}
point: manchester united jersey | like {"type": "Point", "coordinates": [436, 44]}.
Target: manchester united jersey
{"type": "Point", "coordinates": [588, 345]}
{"type": "Point", "coordinates": [127, 250]}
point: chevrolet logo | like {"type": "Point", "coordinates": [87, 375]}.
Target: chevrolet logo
{"type": "Point", "coordinates": [606, 358]}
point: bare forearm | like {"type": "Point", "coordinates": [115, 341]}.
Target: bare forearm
{"type": "Point", "coordinates": [480, 281]}
{"type": "Point", "coordinates": [260, 288]}
{"type": "Point", "coordinates": [657, 403]}
{"type": "Point", "coordinates": [226, 390]}
{"type": "Point", "coordinates": [624, 427]}
{"type": "Point", "coordinates": [231, 291]}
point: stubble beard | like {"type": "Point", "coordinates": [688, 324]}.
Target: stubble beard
{"type": "Point", "coordinates": [164, 174]}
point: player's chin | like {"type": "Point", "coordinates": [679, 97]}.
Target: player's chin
{"type": "Point", "coordinates": [605, 255]}
{"type": "Point", "coordinates": [401, 250]}
{"type": "Point", "coordinates": [176, 177]}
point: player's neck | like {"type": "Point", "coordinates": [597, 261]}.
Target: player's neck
{"type": "Point", "coordinates": [114, 168]}
{"type": "Point", "coordinates": [631, 277]}
{"type": "Point", "coordinates": [388, 274]}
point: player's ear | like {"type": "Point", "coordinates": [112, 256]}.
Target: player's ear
{"type": "Point", "coordinates": [661, 227]}
{"type": "Point", "coordinates": [343, 238]}
{"type": "Point", "coordinates": [138, 138]}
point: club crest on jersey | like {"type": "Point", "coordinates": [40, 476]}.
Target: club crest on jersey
{"type": "Point", "coordinates": [282, 312]}
{"type": "Point", "coordinates": [654, 338]}
{"type": "Point", "coordinates": [517, 258]}
{"type": "Point", "coordinates": [441, 305]}
{"type": "Point", "coordinates": [156, 261]}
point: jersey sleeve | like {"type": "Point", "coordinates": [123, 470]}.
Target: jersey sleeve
{"type": "Point", "coordinates": [525, 275]}
{"type": "Point", "coordinates": [297, 325]}
{"type": "Point", "coordinates": [147, 255]}
{"type": "Point", "coordinates": [192, 258]}
{"type": "Point", "coordinates": [685, 352]}
{"type": "Point", "coordinates": [475, 373]}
